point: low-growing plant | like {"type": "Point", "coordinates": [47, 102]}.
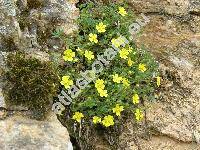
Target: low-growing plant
{"type": "Point", "coordinates": [124, 85]}
{"type": "Point", "coordinates": [30, 83]}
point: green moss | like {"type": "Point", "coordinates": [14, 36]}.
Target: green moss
{"type": "Point", "coordinates": [30, 83]}
{"type": "Point", "coordinates": [34, 4]}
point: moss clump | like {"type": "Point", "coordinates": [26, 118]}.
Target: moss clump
{"type": "Point", "coordinates": [34, 4]}
{"type": "Point", "coordinates": [30, 83]}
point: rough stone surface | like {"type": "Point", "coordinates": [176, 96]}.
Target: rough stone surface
{"type": "Point", "coordinates": [2, 102]}
{"type": "Point", "coordinates": [163, 143]}
{"type": "Point", "coordinates": [173, 37]}
{"type": "Point", "coordinates": [20, 133]}
{"type": "Point", "coordinates": [28, 24]}
{"type": "Point", "coordinates": [2, 67]}
{"type": "Point", "coordinates": [169, 7]}
{"type": "Point", "coordinates": [176, 114]}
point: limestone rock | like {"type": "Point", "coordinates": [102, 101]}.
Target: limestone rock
{"type": "Point", "coordinates": [162, 143]}
{"type": "Point", "coordinates": [2, 102]}
{"type": "Point", "coordinates": [174, 41]}
{"type": "Point", "coordinates": [29, 24]}
{"type": "Point", "coordinates": [2, 68]}
{"type": "Point", "coordinates": [176, 114]}
{"type": "Point", "coordinates": [20, 133]}
{"type": "Point", "coordinates": [176, 8]}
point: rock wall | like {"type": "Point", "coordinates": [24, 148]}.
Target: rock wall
{"type": "Point", "coordinates": [28, 25]}
{"type": "Point", "coordinates": [21, 133]}
{"type": "Point", "coordinates": [173, 37]}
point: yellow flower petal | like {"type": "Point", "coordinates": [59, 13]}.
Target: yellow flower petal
{"type": "Point", "coordinates": [68, 55]}
{"type": "Point", "coordinates": [125, 82]}
{"type": "Point", "coordinates": [66, 81]}
{"type": "Point", "coordinates": [78, 116]}
{"type": "Point", "coordinates": [142, 67]}
{"type": "Point", "coordinates": [124, 53]}
{"type": "Point", "coordinates": [117, 78]}
{"type": "Point", "coordinates": [93, 38]}
{"type": "Point", "coordinates": [101, 27]}
{"type": "Point", "coordinates": [138, 115]}
{"type": "Point", "coordinates": [89, 55]}
{"type": "Point", "coordinates": [135, 99]}
{"type": "Point", "coordinates": [115, 43]}
{"type": "Point", "coordinates": [102, 92]}
{"type": "Point", "coordinates": [130, 62]}
{"type": "Point", "coordinates": [158, 81]}
{"type": "Point", "coordinates": [122, 11]}
{"type": "Point", "coordinates": [118, 109]}
{"type": "Point", "coordinates": [99, 84]}
{"type": "Point", "coordinates": [96, 119]}
{"type": "Point", "coordinates": [108, 121]}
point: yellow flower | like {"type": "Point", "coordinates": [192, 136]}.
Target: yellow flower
{"type": "Point", "coordinates": [93, 38]}
{"type": "Point", "coordinates": [101, 27]}
{"type": "Point", "coordinates": [108, 121]}
{"type": "Point", "coordinates": [116, 78]}
{"type": "Point", "coordinates": [135, 99]}
{"type": "Point", "coordinates": [125, 82]}
{"type": "Point", "coordinates": [116, 43]}
{"type": "Point", "coordinates": [89, 55]}
{"type": "Point", "coordinates": [130, 62]}
{"type": "Point", "coordinates": [99, 84]}
{"type": "Point", "coordinates": [66, 81]}
{"type": "Point", "coordinates": [122, 11]}
{"type": "Point", "coordinates": [96, 119]}
{"type": "Point", "coordinates": [138, 115]}
{"type": "Point", "coordinates": [68, 55]}
{"type": "Point", "coordinates": [77, 116]}
{"type": "Point", "coordinates": [121, 40]}
{"type": "Point", "coordinates": [124, 53]}
{"type": "Point", "coordinates": [142, 67]}
{"type": "Point", "coordinates": [102, 92]}
{"type": "Point", "coordinates": [118, 109]}
{"type": "Point", "coordinates": [158, 80]}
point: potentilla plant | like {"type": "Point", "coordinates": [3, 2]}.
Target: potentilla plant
{"type": "Point", "coordinates": [123, 86]}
